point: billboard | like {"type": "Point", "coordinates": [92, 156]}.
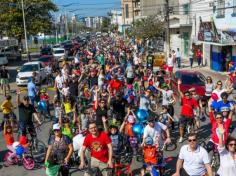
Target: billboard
{"type": "Point", "coordinates": [208, 32]}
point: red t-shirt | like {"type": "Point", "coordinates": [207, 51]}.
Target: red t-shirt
{"type": "Point", "coordinates": [98, 146]}
{"type": "Point", "coordinates": [115, 84]}
{"type": "Point", "coordinates": [9, 138]}
{"type": "Point", "coordinates": [215, 130]}
{"type": "Point", "coordinates": [45, 97]}
{"type": "Point", "coordinates": [187, 107]}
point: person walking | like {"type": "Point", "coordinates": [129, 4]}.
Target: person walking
{"type": "Point", "coordinates": [193, 159]}
{"type": "Point", "coordinates": [32, 91]}
{"type": "Point", "coordinates": [178, 58]}
{"type": "Point", "coordinates": [199, 58]}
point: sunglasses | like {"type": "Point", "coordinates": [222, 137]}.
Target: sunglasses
{"type": "Point", "coordinates": [192, 140]}
{"type": "Point", "coordinates": [232, 145]}
{"type": "Point", "coordinates": [56, 130]}
{"type": "Point", "coordinates": [187, 95]}
{"type": "Point", "coordinates": [102, 102]}
{"type": "Point", "coordinates": [93, 128]}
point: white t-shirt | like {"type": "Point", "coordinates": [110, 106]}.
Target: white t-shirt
{"type": "Point", "coordinates": [155, 132]}
{"type": "Point", "coordinates": [100, 80]}
{"type": "Point", "coordinates": [78, 141]}
{"type": "Point", "coordinates": [59, 81]}
{"type": "Point", "coordinates": [144, 103]}
{"type": "Point", "coordinates": [166, 97]}
{"type": "Point", "coordinates": [219, 92]}
{"type": "Point", "coordinates": [130, 72]}
{"type": "Point", "coordinates": [194, 161]}
{"type": "Point", "coordinates": [227, 163]}
{"type": "Point", "coordinates": [170, 61]}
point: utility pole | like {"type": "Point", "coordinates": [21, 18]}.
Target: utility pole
{"type": "Point", "coordinates": [26, 42]}
{"type": "Point", "coordinates": [167, 9]}
{"type": "Point", "coordinates": [133, 1]}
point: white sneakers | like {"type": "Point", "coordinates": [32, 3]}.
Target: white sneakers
{"type": "Point", "coordinates": [180, 139]}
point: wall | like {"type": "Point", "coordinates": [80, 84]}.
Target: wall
{"type": "Point", "coordinates": [229, 21]}
{"type": "Point", "coordinates": [216, 58]}
{"type": "Point", "coordinates": [234, 55]}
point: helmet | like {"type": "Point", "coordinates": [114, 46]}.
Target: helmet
{"type": "Point", "coordinates": [15, 144]}
{"type": "Point", "coordinates": [131, 119]}
{"type": "Point", "coordinates": [214, 96]}
{"type": "Point", "coordinates": [43, 90]}
{"type": "Point", "coordinates": [148, 141]}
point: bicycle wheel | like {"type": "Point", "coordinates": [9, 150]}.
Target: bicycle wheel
{"type": "Point", "coordinates": [38, 151]}
{"type": "Point", "coordinates": [215, 162]}
{"type": "Point", "coordinates": [6, 160]}
{"type": "Point", "coordinates": [28, 163]}
{"type": "Point", "coordinates": [171, 147]}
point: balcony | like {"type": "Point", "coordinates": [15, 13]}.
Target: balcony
{"type": "Point", "coordinates": [185, 20]}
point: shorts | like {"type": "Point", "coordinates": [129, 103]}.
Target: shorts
{"type": "Point", "coordinates": [183, 121]}
{"type": "Point", "coordinates": [9, 115]}
{"type": "Point", "coordinates": [4, 81]}
{"type": "Point", "coordinates": [170, 69]}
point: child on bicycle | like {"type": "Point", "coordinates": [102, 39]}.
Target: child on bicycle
{"type": "Point", "coordinates": [57, 108]}
{"type": "Point", "coordinates": [6, 107]}
{"type": "Point", "coordinates": [68, 126]}
{"type": "Point", "coordinates": [45, 97]}
{"type": "Point", "coordinates": [150, 158]}
{"type": "Point", "coordinates": [116, 139]}
{"type": "Point", "coordinates": [9, 137]}
{"type": "Point", "coordinates": [165, 117]}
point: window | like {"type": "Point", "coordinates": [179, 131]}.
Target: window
{"type": "Point", "coordinates": [186, 9]}
{"type": "Point", "coordinates": [126, 10]}
{"type": "Point", "coordinates": [220, 8]}
{"type": "Point", "coordinates": [234, 4]}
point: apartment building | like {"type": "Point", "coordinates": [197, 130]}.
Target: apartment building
{"type": "Point", "coordinates": [131, 10]}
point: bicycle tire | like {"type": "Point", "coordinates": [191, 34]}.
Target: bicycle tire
{"type": "Point", "coordinates": [216, 160]}
{"type": "Point", "coordinates": [28, 163]}
{"type": "Point", "coordinates": [38, 153]}
{"type": "Point", "coordinates": [171, 147]}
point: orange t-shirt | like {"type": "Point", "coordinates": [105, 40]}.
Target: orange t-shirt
{"type": "Point", "coordinates": [150, 154]}
{"type": "Point", "coordinates": [9, 139]}
{"type": "Point", "coordinates": [129, 130]}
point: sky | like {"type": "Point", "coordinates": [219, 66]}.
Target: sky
{"type": "Point", "coordinates": [87, 7]}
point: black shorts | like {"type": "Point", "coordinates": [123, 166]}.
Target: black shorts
{"type": "Point", "coordinates": [183, 121]}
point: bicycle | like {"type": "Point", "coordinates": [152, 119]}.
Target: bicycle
{"type": "Point", "coordinates": [49, 79]}
{"type": "Point", "coordinates": [27, 161]}
{"type": "Point", "coordinates": [122, 164]}
{"type": "Point", "coordinates": [93, 171]}
{"type": "Point", "coordinates": [215, 162]}
{"type": "Point", "coordinates": [37, 148]}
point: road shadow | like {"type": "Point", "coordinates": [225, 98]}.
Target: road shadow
{"type": "Point", "coordinates": [2, 154]}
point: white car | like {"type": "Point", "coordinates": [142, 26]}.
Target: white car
{"type": "Point", "coordinates": [3, 59]}
{"type": "Point", "coordinates": [59, 54]}
{"type": "Point", "coordinates": [26, 71]}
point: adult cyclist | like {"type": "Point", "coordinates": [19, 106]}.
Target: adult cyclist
{"type": "Point", "coordinates": [26, 114]}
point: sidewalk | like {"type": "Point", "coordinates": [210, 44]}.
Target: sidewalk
{"type": "Point", "coordinates": [206, 71]}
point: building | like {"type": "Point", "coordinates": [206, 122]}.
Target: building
{"type": "Point", "coordinates": [131, 10]}
{"type": "Point", "coordinates": [116, 19]}
{"type": "Point", "coordinates": [89, 22]}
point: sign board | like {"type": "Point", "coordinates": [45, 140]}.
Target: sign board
{"type": "Point", "coordinates": [8, 42]}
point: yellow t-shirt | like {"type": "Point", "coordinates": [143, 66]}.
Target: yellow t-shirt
{"type": "Point", "coordinates": [68, 107]}
{"type": "Point", "coordinates": [6, 107]}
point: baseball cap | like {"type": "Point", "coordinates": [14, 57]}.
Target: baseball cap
{"type": "Point", "coordinates": [56, 126]}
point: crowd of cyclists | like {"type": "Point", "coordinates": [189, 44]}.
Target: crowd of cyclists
{"type": "Point", "coordinates": [110, 107]}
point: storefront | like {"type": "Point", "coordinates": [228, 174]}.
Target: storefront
{"type": "Point", "coordinates": [219, 47]}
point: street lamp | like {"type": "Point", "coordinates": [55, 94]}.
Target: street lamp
{"type": "Point", "coordinates": [26, 42]}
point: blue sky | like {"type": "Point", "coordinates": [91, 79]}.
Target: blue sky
{"type": "Point", "coordinates": [87, 7]}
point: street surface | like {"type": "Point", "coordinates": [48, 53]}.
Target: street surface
{"type": "Point", "coordinates": [43, 135]}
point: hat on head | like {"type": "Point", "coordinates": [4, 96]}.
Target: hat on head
{"type": "Point", "coordinates": [56, 126]}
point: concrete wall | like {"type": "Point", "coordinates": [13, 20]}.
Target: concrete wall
{"type": "Point", "coordinates": [229, 21]}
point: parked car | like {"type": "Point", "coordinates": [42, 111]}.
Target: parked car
{"type": "Point", "coordinates": [12, 53]}
{"type": "Point", "coordinates": [26, 71]}
{"type": "Point", "coordinates": [46, 51]}
{"type": "Point", "coordinates": [189, 80]}
{"type": "Point", "coordinates": [3, 59]}
{"type": "Point", "coordinates": [59, 54]}
{"type": "Point", "coordinates": [46, 60]}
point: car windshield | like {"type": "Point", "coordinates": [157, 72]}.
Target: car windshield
{"type": "Point", "coordinates": [59, 51]}
{"type": "Point", "coordinates": [29, 68]}
{"type": "Point", "coordinates": [192, 80]}
{"type": "Point", "coordinates": [44, 59]}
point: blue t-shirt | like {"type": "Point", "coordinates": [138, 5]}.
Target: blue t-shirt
{"type": "Point", "coordinates": [32, 90]}
{"type": "Point", "coordinates": [221, 106]}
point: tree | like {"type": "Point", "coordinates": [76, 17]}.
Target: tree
{"type": "Point", "coordinates": [37, 16]}
{"type": "Point", "coordinates": [147, 28]}
{"type": "Point", "coordinates": [105, 24]}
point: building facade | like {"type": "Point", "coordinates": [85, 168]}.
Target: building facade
{"type": "Point", "coordinates": [116, 19]}
{"type": "Point", "coordinates": [131, 10]}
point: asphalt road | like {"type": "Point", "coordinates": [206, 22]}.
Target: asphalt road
{"type": "Point", "coordinates": [43, 135]}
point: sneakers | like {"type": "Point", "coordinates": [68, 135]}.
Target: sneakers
{"type": "Point", "coordinates": [180, 139]}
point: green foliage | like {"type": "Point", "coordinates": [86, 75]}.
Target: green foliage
{"type": "Point", "coordinates": [37, 15]}
{"type": "Point", "coordinates": [105, 24]}
{"type": "Point", "coordinates": [150, 27]}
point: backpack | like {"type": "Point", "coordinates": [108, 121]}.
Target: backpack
{"type": "Point", "coordinates": [117, 142]}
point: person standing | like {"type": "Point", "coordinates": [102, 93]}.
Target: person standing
{"type": "Point", "coordinates": [193, 159]}
{"type": "Point", "coordinates": [32, 91]}
{"type": "Point", "coordinates": [191, 58]}
{"type": "Point", "coordinates": [227, 155]}
{"type": "Point", "coordinates": [170, 63]}
{"type": "Point", "coordinates": [100, 146]}
{"type": "Point", "coordinates": [150, 60]}
{"type": "Point", "coordinates": [5, 80]}
{"type": "Point", "coordinates": [199, 58]}
{"type": "Point", "coordinates": [178, 57]}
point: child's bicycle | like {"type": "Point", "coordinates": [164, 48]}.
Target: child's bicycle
{"type": "Point", "coordinates": [27, 161]}
{"type": "Point", "coordinates": [93, 171]}
{"type": "Point", "coordinates": [122, 164]}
